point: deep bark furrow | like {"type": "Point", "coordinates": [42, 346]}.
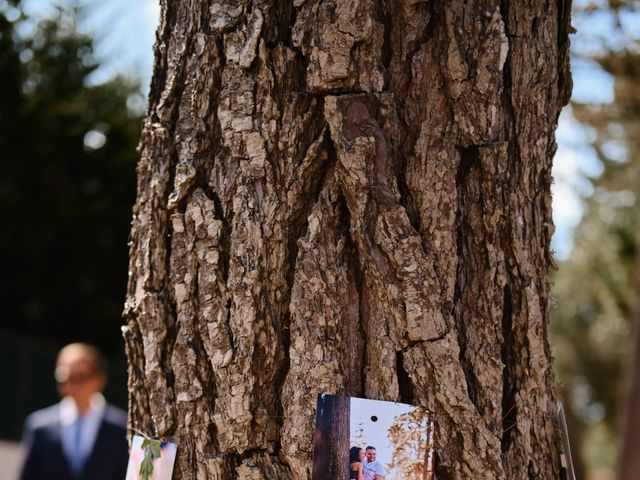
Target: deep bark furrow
{"type": "Point", "coordinates": [405, 385]}
{"type": "Point", "coordinates": [464, 235]}
{"type": "Point", "coordinates": [359, 334]}
{"type": "Point", "coordinates": [509, 406]}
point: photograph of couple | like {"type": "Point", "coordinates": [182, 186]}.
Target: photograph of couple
{"type": "Point", "coordinates": [364, 465]}
{"type": "Point", "coordinates": [364, 439]}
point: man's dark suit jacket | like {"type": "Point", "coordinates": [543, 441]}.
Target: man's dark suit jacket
{"type": "Point", "coordinates": [45, 459]}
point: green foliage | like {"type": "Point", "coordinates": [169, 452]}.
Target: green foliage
{"type": "Point", "coordinates": [68, 182]}
{"type": "Point", "coordinates": [146, 468]}
{"type": "Point", "coordinates": [152, 451]}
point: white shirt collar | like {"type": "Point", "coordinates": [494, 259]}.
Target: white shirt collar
{"type": "Point", "coordinates": [77, 452]}
{"type": "Point", "coordinates": [69, 411]}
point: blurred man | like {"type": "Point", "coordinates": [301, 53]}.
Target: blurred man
{"type": "Point", "coordinates": [372, 469]}
{"type": "Point", "coordinates": [82, 437]}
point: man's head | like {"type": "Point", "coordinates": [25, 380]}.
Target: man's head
{"type": "Point", "coordinates": [81, 371]}
{"type": "Point", "coordinates": [370, 453]}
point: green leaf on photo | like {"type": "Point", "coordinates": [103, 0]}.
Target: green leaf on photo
{"type": "Point", "coordinates": [152, 451]}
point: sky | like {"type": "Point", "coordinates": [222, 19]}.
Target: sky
{"type": "Point", "coordinates": [575, 161]}
{"type": "Point", "coordinates": [125, 31]}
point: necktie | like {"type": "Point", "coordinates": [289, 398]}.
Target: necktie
{"type": "Point", "coordinates": [77, 461]}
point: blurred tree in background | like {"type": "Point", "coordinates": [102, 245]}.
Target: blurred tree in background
{"type": "Point", "coordinates": [66, 190]}
{"type": "Point", "coordinates": [596, 288]}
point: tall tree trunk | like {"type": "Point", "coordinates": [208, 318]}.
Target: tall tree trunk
{"type": "Point", "coordinates": [629, 460]}
{"type": "Point", "coordinates": [349, 197]}
{"type": "Point", "coordinates": [331, 441]}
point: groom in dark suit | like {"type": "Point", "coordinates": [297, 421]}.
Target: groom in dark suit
{"type": "Point", "coordinates": [82, 437]}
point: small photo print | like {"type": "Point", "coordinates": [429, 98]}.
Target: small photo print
{"type": "Point", "coordinates": [362, 439]}
{"type": "Point", "coordinates": [151, 459]}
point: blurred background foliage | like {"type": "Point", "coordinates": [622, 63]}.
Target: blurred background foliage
{"type": "Point", "coordinates": [595, 288]}
{"type": "Point", "coordinates": [66, 191]}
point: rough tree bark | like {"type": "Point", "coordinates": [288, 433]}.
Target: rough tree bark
{"type": "Point", "coordinates": [352, 197]}
{"type": "Point", "coordinates": [331, 440]}
{"type": "Point", "coordinates": [629, 461]}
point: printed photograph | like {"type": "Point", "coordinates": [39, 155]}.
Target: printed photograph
{"type": "Point", "coordinates": [151, 459]}
{"type": "Point", "coordinates": [361, 439]}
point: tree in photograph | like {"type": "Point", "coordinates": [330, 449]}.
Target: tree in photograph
{"type": "Point", "coordinates": [358, 438]}
{"type": "Point", "coordinates": [411, 437]}
{"type": "Point", "coordinates": [349, 197]}
{"type": "Point", "coordinates": [331, 442]}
